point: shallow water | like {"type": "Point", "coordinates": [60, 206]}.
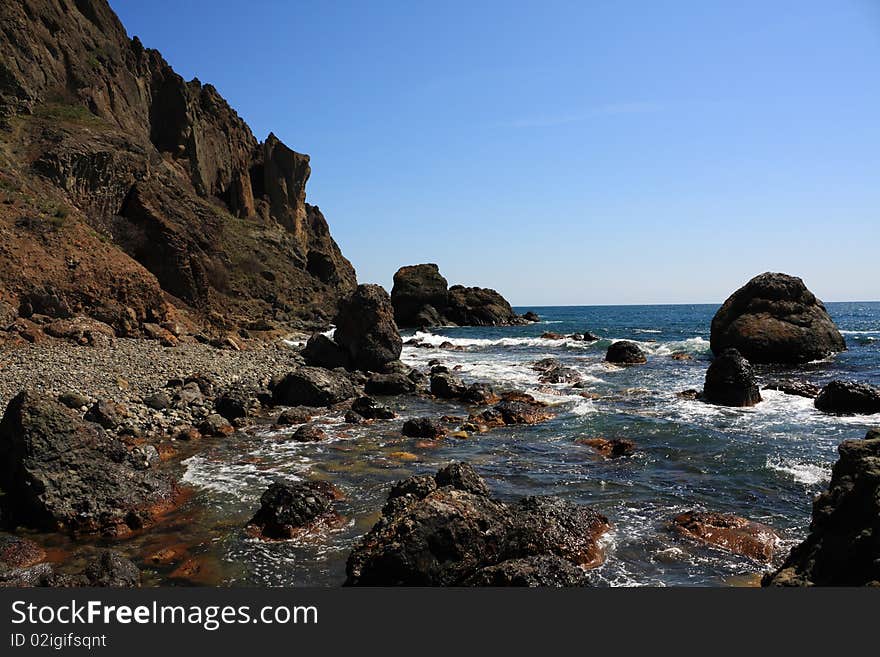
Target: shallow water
{"type": "Point", "coordinates": [765, 463]}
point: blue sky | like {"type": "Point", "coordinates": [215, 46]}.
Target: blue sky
{"type": "Point", "coordinates": [585, 152]}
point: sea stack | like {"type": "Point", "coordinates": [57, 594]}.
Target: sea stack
{"type": "Point", "coordinates": [774, 318]}
{"type": "Point", "coordinates": [421, 298]}
{"type": "Point", "coordinates": [730, 381]}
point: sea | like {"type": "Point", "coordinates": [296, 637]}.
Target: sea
{"type": "Point", "coordinates": [765, 463]}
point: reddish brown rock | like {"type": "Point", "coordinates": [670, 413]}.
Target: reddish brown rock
{"type": "Point", "coordinates": [729, 532]}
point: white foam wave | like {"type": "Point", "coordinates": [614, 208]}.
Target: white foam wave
{"type": "Point", "coordinates": [437, 340]}
{"type": "Point", "coordinates": [805, 473]}
{"type": "Point", "coordinates": [647, 331]}
{"type": "Point", "coordinates": [869, 332]}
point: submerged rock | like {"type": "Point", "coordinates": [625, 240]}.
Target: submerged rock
{"type": "Point", "coordinates": [60, 472]}
{"type": "Point", "coordinates": [849, 398]}
{"type": "Point", "coordinates": [365, 329]}
{"type": "Point", "coordinates": [370, 409]}
{"type": "Point", "coordinates": [730, 381]}
{"type": "Point", "coordinates": [843, 546]}
{"type": "Point", "coordinates": [624, 352]}
{"type": "Point", "coordinates": [729, 532]}
{"type": "Point", "coordinates": [612, 449]}
{"type": "Point", "coordinates": [423, 427]}
{"type": "Point", "coordinates": [446, 531]}
{"type": "Point", "coordinates": [309, 433]}
{"type": "Point", "coordinates": [288, 509]}
{"type": "Point", "coordinates": [774, 318]}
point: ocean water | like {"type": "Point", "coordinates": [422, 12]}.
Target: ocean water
{"type": "Point", "coordinates": [765, 463]}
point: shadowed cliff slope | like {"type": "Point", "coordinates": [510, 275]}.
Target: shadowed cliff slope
{"type": "Point", "coordinates": [131, 195]}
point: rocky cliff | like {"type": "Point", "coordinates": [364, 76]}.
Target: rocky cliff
{"type": "Point", "coordinates": [132, 195]}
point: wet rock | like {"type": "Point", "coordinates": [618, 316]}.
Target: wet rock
{"type": "Point", "coordinates": [843, 546]}
{"type": "Point", "coordinates": [550, 335]}
{"type": "Point", "coordinates": [849, 398]}
{"type": "Point", "coordinates": [216, 425]}
{"type": "Point", "coordinates": [321, 351]}
{"type": "Point", "coordinates": [111, 569]}
{"type": "Point", "coordinates": [797, 388]}
{"type": "Point", "coordinates": [370, 409]}
{"type": "Point", "coordinates": [479, 394]}
{"type": "Point", "coordinates": [690, 394]}
{"type": "Point", "coordinates": [624, 352]}
{"type": "Point", "coordinates": [309, 433]}
{"type": "Point", "coordinates": [543, 571]}
{"type": "Point", "coordinates": [389, 384]}
{"type": "Point", "coordinates": [730, 381]}
{"type": "Point", "coordinates": [74, 400]}
{"type": "Point", "coordinates": [19, 552]}
{"type": "Point", "coordinates": [531, 316]}
{"type": "Point", "coordinates": [451, 533]}
{"type": "Point", "coordinates": [353, 418]}
{"type": "Point", "coordinates": [418, 292]}
{"type": "Point", "coordinates": [59, 472]}
{"type": "Point", "coordinates": [423, 427]}
{"type": "Point", "coordinates": [365, 329]}
{"type": "Point", "coordinates": [774, 318]}
{"type": "Point", "coordinates": [313, 386]}
{"type": "Point", "coordinates": [294, 416]}
{"type": "Point", "coordinates": [681, 356]}
{"type": "Point", "coordinates": [517, 408]}
{"type": "Point", "coordinates": [107, 413]}
{"type": "Point", "coordinates": [447, 386]}
{"type": "Point", "coordinates": [233, 404]}
{"type": "Point", "coordinates": [288, 509]}
{"type": "Point", "coordinates": [612, 449]}
{"type": "Point", "coordinates": [590, 337]}
{"type": "Point", "coordinates": [729, 532]}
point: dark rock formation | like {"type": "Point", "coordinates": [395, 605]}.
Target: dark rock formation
{"type": "Point", "coordinates": [774, 318]}
{"type": "Point", "coordinates": [513, 409]}
{"type": "Point", "coordinates": [446, 531]}
{"type": "Point", "coordinates": [796, 388]}
{"type": "Point", "coordinates": [313, 386]}
{"type": "Point", "coordinates": [728, 532]}
{"type": "Point", "coordinates": [612, 449]}
{"type": "Point", "coordinates": [446, 385]}
{"type": "Point", "coordinates": [233, 404]}
{"type": "Point", "coordinates": [421, 299]}
{"type": "Point", "coordinates": [321, 351]}
{"type": "Point", "coordinates": [423, 427]}
{"type": "Point", "coordinates": [59, 472]}
{"type": "Point", "coordinates": [624, 352]}
{"type": "Point", "coordinates": [369, 409]}
{"type": "Point", "coordinates": [843, 546]}
{"type": "Point", "coordinates": [309, 433]}
{"type": "Point", "coordinates": [552, 371]}
{"type": "Point", "coordinates": [389, 384]}
{"type": "Point", "coordinates": [849, 398]}
{"type": "Point", "coordinates": [294, 416]}
{"type": "Point", "coordinates": [366, 331]}
{"type": "Point", "coordinates": [143, 195]}
{"type": "Point", "coordinates": [730, 381]}
{"type": "Point", "coordinates": [288, 509]}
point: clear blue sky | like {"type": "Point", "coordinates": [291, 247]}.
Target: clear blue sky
{"type": "Point", "coordinates": [581, 152]}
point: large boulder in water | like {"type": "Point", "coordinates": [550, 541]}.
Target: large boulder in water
{"type": "Point", "coordinates": [418, 292]}
{"type": "Point", "coordinates": [288, 509]}
{"type": "Point", "coordinates": [479, 306]}
{"type": "Point", "coordinates": [774, 318]}
{"type": "Point", "coordinates": [843, 546]}
{"type": "Point", "coordinates": [726, 531]}
{"type": "Point", "coordinates": [313, 386]}
{"type": "Point", "coordinates": [321, 351]}
{"type": "Point", "coordinates": [848, 398]}
{"type": "Point", "coordinates": [447, 531]}
{"type": "Point", "coordinates": [59, 472]}
{"type": "Point", "coordinates": [366, 330]}
{"type": "Point", "coordinates": [730, 381]}
{"type": "Point", "coordinates": [624, 352]}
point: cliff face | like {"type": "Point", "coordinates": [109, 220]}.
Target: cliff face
{"type": "Point", "coordinates": [133, 195]}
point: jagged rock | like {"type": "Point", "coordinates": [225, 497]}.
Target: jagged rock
{"type": "Point", "coordinates": [478, 306]}
{"type": "Point", "coordinates": [389, 384]}
{"type": "Point", "coordinates": [843, 546]}
{"type": "Point", "coordinates": [729, 532]}
{"type": "Point", "coordinates": [107, 413]}
{"type": "Point", "coordinates": [233, 404]}
{"type": "Point", "coordinates": [19, 552]}
{"type": "Point", "coordinates": [365, 329]}
{"type": "Point", "coordinates": [797, 388]}
{"type": "Point", "coordinates": [294, 416]}
{"type": "Point", "coordinates": [321, 351]}
{"type": "Point", "coordinates": [849, 398]}
{"type": "Point", "coordinates": [423, 427]}
{"type": "Point", "coordinates": [449, 532]}
{"type": "Point", "coordinates": [543, 571]}
{"type": "Point", "coordinates": [313, 386]}
{"type": "Point", "coordinates": [216, 425]}
{"type": "Point", "coordinates": [447, 386]}
{"type": "Point", "coordinates": [370, 409]}
{"type": "Point", "coordinates": [518, 408]}
{"type": "Point", "coordinates": [59, 472]}
{"type": "Point", "coordinates": [624, 352]}
{"type": "Point", "coordinates": [479, 394]}
{"type": "Point", "coordinates": [287, 509]}
{"type": "Point", "coordinates": [730, 381]}
{"type": "Point", "coordinates": [531, 316]}
{"type": "Point", "coordinates": [774, 318]}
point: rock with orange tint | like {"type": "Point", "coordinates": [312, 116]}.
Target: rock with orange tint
{"type": "Point", "coordinates": [287, 510]}
{"type": "Point", "coordinates": [729, 532]}
{"type": "Point", "coordinates": [18, 552]}
{"type": "Point", "coordinates": [514, 408]}
{"type": "Point", "coordinates": [613, 448]}
{"type": "Point", "coordinates": [447, 530]}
